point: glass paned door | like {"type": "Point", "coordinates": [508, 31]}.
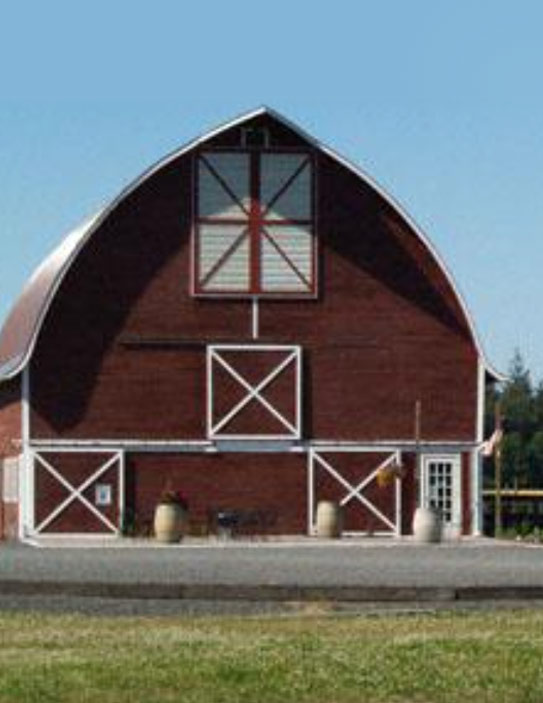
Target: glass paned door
{"type": "Point", "coordinates": [441, 490]}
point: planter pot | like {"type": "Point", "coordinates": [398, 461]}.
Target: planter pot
{"type": "Point", "coordinates": [170, 522]}
{"type": "Point", "coordinates": [329, 519]}
{"type": "Point", "coordinates": [426, 525]}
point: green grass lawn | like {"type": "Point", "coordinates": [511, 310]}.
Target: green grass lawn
{"type": "Point", "coordinates": [446, 657]}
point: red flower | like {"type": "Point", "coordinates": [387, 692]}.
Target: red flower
{"type": "Point", "coordinates": [173, 497]}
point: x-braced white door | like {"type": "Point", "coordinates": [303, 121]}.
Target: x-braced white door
{"type": "Point", "coordinates": [77, 491]}
{"type": "Point", "coordinates": [349, 476]}
{"type": "Point", "coordinates": [253, 391]}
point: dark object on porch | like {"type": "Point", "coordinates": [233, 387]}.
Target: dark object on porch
{"type": "Point", "coordinates": [231, 523]}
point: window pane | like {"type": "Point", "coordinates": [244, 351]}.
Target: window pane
{"type": "Point", "coordinates": [286, 258]}
{"type": "Point", "coordinates": [223, 185]}
{"type": "Point", "coordinates": [285, 186]}
{"type": "Point", "coordinates": [224, 257]}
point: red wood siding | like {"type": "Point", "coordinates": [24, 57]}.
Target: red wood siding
{"type": "Point", "coordinates": [385, 332]}
{"type": "Point", "coordinates": [275, 484]}
{"type": "Point", "coordinates": [10, 417]}
{"type": "Point", "coordinates": [10, 436]}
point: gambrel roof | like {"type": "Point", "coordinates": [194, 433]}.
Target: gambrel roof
{"type": "Point", "coordinates": [23, 324]}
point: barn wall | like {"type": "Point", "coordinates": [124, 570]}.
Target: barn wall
{"type": "Point", "coordinates": [10, 437]}
{"type": "Point", "coordinates": [385, 332]}
{"type": "Point", "coordinates": [273, 484]}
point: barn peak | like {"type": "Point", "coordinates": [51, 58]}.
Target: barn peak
{"type": "Point", "coordinates": [21, 329]}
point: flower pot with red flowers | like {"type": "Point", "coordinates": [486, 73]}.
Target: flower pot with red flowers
{"type": "Point", "coordinates": [171, 516]}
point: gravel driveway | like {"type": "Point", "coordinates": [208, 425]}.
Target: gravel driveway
{"type": "Point", "coordinates": [346, 563]}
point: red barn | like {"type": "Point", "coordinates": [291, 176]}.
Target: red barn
{"type": "Point", "coordinates": [252, 321]}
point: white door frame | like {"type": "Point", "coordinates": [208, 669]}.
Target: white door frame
{"type": "Point", "coordinates": [452, 527]}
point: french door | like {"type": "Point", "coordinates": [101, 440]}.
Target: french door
{"type": "Point", "coordinates": [441, 490]}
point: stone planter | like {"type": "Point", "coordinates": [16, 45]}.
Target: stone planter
{"type": "Point", "coordinates": [329, 519]}
{"type": "Point", "coordinates": [170, 522]}
{"type": "Point", "coordinates": [426, 525]}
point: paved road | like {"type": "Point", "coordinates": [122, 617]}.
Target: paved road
{"type": "Point", "coordinates": [304, 564]}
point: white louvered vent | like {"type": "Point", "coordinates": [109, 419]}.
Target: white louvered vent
{"type": "Point", "coordinates": [224, 257]}
{"type": "Point", "coordinates": [286, 258]}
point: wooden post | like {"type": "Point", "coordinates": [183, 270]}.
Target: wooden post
{"type": "Point", "coordinates": [498, 474]}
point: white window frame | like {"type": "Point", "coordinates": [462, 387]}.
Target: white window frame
{"type": "Point", "coordinates": [293, 356]}
{"type": "Point", "coordinates": [196, 289]}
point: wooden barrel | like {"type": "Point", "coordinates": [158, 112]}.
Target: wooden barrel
{"type": "Point", "coordinates": [169, 522]}
{"type": "Point", "coordinates": [329, 519]}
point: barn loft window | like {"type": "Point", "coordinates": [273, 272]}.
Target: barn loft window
{"type": "Point", "coordinates": [254, 231]}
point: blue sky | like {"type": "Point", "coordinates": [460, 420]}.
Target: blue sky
{"type": "Point", "coordinates": [440, 102]}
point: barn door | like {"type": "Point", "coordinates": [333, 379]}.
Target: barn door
{"type": "Point", "coordinates": [350, 477]}
{"type": "Point", "coordinates": [254, 391]}
{"type": "Point", "coordinates": [77, 491]}
{"type": "Point", "coordinates": [441, 490]}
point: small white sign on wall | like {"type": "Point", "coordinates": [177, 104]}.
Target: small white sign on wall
{"type": "Point", "coordinates": [102, 494]}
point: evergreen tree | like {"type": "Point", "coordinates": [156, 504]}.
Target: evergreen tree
{"type": "Point", "coordinates": [517, 404]}
{"type": "Point", "coordinates": [522, 411]}
{"type": "Point", "coordinates": [535, 459]}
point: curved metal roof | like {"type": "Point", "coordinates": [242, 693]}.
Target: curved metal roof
{"type": "Point", "coordinates": [21, 328]}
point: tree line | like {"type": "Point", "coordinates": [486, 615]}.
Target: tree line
{"type": "Point", "coordinates": [520, 404]}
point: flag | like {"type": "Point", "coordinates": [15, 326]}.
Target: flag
{"type": "Point", "coordinates": [489, 446]}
